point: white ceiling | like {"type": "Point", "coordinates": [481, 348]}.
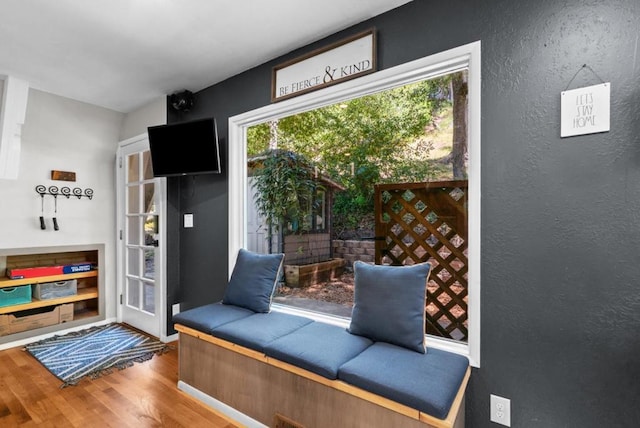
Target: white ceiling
{"type": "Point", "coordinates": [122, 54]}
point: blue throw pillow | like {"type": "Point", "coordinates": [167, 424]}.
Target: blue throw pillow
{"type": "Point", "coordinates": [253, 280]}
{"type": "Point", "coordinates": [389, 304]}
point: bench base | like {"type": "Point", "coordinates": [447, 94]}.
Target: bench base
{"type": "Point", "coordinates": [260, 388]}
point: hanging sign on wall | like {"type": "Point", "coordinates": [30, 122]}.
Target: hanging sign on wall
{"type": "Point", "coordinates": [347, 59]}
{"type": "Point", "coordinates": [585, 110]}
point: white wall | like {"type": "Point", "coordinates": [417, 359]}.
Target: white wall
{"type": "Point", "coordinates": [67, 135]}
{"type": "Point", "coordinates": [136, 122]}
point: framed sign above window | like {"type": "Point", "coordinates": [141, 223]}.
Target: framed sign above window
{"type": "Point", "coordinates": [341, 61]}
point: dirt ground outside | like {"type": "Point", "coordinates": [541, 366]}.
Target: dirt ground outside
{"type": "Point", "coordinates": [339, 290]}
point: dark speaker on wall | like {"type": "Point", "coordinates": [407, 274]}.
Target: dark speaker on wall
{"type": "Point", "coordinates": [182, 101]}
{"type": "Point", "coordinates": [185, 148]}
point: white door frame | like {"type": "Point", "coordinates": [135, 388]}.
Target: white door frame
{"type": "Point", "coordinates": [161, 282]}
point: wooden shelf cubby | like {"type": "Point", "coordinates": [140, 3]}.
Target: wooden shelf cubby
{"type": "Point", "coordinates": [83, 294]}
{"type": "Point", "coordinates": [88, 305]}
{"type": "Point", "coordinates": [7, 282]}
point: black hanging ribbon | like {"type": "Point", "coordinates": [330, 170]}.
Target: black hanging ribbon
{"type": "Point", "coordinates": [584, 66]}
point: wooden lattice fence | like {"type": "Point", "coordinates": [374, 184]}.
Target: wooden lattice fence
{"type": "Point", "coordinates": [427, 222]}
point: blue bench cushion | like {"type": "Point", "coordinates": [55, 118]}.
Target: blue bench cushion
{"type": "Point", "coordinates": [206, 318]}
{"type": "Point", "coordinates": [427, 382]}
{"type": "Point", "coordinates": [318, 347]}
{"type": "Point", "coordinates": [258, 330]}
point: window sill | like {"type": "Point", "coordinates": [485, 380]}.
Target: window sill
{"type": "Point", "coordinates": [432, 341]}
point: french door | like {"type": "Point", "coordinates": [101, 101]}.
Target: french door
{"type": "Point", "coordinates": [141, 222]}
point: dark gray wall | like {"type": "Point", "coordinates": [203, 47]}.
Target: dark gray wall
{"type": "Point", "coordinates": [560, 217]}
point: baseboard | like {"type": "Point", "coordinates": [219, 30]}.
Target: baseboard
{"type": "Point", "coordinates": [171, 338]}
{"type": "Point", "coordinates": [226, 410]}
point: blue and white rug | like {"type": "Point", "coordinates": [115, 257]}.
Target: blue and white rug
{"type": "Point", "coordinates": [94, 351]}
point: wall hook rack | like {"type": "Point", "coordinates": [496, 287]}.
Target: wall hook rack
{"type": "Point", "coordinates": [67, 192]}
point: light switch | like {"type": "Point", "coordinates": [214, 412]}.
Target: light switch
{"type": "Point", "coordinates": [188, 220]}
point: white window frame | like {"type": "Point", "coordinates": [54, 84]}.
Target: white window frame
{"type": "Point", "coordinates": [463, 57]}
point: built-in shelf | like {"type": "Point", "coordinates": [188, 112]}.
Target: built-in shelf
{"type": "Point", "coordinates": [8, 282]}
{"type": "Point", "coordinates": [88, 304]}
{"type": "Point", "coordinates": [83, 294]}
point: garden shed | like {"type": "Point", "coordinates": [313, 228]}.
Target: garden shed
{"type": "Point", "coordinates": [303, 236]}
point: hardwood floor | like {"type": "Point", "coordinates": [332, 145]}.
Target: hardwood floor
{"type": "Point", "coordinates": [144, 395]}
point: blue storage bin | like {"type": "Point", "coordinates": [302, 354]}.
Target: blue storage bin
{"type": "Point", "coordinates": [15, 295]}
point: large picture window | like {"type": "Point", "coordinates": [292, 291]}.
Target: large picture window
{"type": "Point", "coordinates": [367, 149]}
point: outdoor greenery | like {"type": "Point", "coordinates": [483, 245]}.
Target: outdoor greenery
{"type": "Point", "coordinates": [379, 138]}
{"type": "Point", "coordinates": [285, 189]}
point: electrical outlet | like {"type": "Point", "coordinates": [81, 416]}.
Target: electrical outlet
{"type": "Point", "coordinates": [175, 309]}
{"type": "Point", "coordinates": [500, 410]}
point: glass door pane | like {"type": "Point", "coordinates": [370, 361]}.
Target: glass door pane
{"type": "Point", "coordinates": [141, 234]}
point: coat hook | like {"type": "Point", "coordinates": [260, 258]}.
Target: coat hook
{"type": "Point", "coordinates": [64, 191]}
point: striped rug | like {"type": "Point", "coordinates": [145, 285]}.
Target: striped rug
{"type": "Point", "coordinates": [94, 351]}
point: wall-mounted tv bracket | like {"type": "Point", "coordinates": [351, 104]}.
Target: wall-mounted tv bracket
{"type": "Point", "coordinates": [54, 191]}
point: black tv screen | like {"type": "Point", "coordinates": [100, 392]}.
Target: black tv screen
{"type": "Point", "coordinates": [184, 148]}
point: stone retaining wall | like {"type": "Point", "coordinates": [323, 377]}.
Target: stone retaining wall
{"type": "Point", "coordinates": [354, 250]}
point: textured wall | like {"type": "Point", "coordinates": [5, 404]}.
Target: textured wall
{"type": "Point", "coordinates": [560, 229]}
{"type": "Point", "coordinates": [560, 217]}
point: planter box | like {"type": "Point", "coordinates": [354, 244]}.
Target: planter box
{"type": "Point", "coordinates": [307, 248]}
{"type": "Point", "coordinates": [306, 275]}
{"type": "Point", "coordinates": [29, 320]}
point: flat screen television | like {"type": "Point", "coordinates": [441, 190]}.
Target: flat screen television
{"type": "Point", "coordinates": [185, 148]}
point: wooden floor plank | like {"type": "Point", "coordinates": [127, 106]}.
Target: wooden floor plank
{"type": "Point", "coordinates": [144, 395]}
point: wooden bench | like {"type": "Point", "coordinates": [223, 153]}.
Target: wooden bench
{"type": "Point", "coordinates": [265, 388]}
